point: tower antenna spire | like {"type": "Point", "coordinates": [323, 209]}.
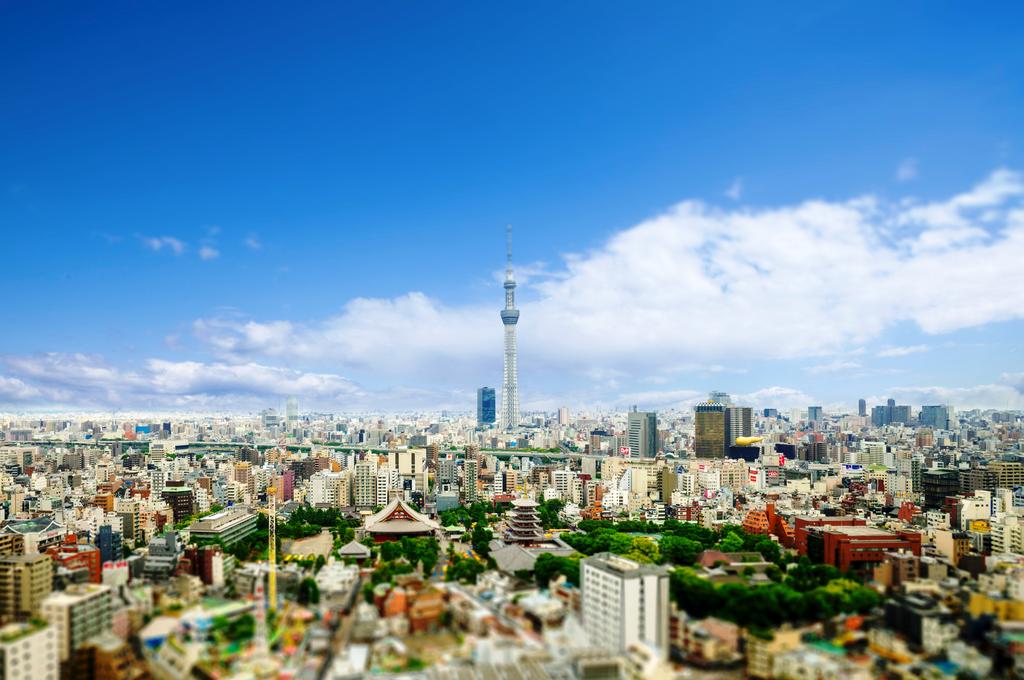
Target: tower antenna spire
{"type": "Point", "coordinates": [508, 250]}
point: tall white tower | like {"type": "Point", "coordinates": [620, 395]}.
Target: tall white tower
{"type": "Point", "coordinates": [510, 317]}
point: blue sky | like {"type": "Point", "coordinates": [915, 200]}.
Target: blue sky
{"type": "Point", "coordinates": [211, 207]}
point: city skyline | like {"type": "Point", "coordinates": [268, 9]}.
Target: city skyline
{"type": "Point", "coordinates": [348, 255]}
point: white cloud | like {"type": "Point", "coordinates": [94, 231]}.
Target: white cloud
{"type": "Point", "coordinates": [837, 366]}
{"type": "Point", "coordinates": [682, 398]}
{"type": "Point", "coordinates": [776, 397]}
{"type": "Point", "coordinates": [907, 170]}
{"type": "Point", "coordinates": [252, 242]}
{"type": "Point", "coordinates": [158, 243]}
{"type": "Point", "coordinates": [695, 285]}
{"type": "Point", "coordinates": [735, 190]}
{"type": "Point", "coordinates": [90, 380]}
{"type": "Point", "coordinates": [890, 352]}
{"type": "Point", "coordinates": [208, 253]}
{"type": "Point", "coordinates": [13, 389]}
{"type": "Point", "coordinates": [991, 396]}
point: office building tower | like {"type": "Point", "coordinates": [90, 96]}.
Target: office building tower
{"type": "Point", "coordinates": [110, 543]}
{"type": "Point", "coordinates": [624, 603]}
{"type": "Point", "coordinates": [1009, 473]}
{"type": "Point", "coordinates": [890, 414]}
{"type": "Point", "coordinates": [939, 417]}
{"type": "Point", "coordinates": [79, 613]}
{"type": "Point", "coordinates": [815, 414]}
{"type": "Point", "coordinates": [937, 485]}
{"type": "Point", "coordinates": [901, 415]}
{"type": "Point", "coordinates": [862, 407]}
{"type": "Point", "coordinates": [509, 319]}
{"type": "Point", "coordinates": [180, 498]}
{"type": "Point", "coordinates": [563, 416]}
{"type": "Point", "coordinates": [642, 433]}
{"type": "Point", "coordinates": [25, 581]}
{"type": "Point", "coordinates": [292, 410]}
{"type": "Point", "coordinates": [486, 411]}
{"type": "Point", "coordinates": [709, 430]}
{"type": "Point", "coordinates": [447, 472]}
{"type": "Point", "coordinates": [879, 416]}
{"type": "Point", "coordinates": [470, 477]}
{"type": "Point", "coordinates": [739, 422]}
{"type": "Point", "coordinates": [364, 484]}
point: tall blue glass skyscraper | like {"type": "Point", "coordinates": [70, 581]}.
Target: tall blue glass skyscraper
{"type": "Point", "coordinates": [486, 406]}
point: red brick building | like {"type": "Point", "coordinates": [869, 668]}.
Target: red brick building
{"type": "Point", "coordinates": [73, 556]}
{"type": "Point", "coordinates": [848, 544]}
{"type": "Point", "coordinates": [767, 523]}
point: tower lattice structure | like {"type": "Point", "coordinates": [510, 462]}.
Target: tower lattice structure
{"type": "Point", "coordinates": [510, 317]}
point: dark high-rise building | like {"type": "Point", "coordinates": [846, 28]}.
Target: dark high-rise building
{"type": "Point", "coordinates": [709, 430]}
{"type": "Point", "coordinates": [939, 417]}
{"type": "Point", "coordinates": [937, 484]}
{"type": "Point", "coordinates": [890, 414]}
{"type": "Point", "coordinates": [181, 500]}
{"type": "Point", "coordinates": [109, 543]}
{"type": "Point", "coordinates": [739, 422]}
{"type": "Point", "coordinates": [486, 406]}
{"type": "Point", "coordinates": [815, 414]}
{"type": "Point", "coordinates": [862, 407]}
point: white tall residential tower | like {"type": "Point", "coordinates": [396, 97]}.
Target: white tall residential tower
{"type": "Point", "coordinates": [624, 603]}
{"type": "Point", "coordinates": [510, 317]}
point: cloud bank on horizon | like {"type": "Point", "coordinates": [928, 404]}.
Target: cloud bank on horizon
{"type": "Point", "coordinates": [698, 290]}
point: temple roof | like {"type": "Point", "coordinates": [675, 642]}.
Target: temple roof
{"type": "Point", "coordinates": [398, 517]}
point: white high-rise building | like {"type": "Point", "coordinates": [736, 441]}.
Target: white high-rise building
{"type": "Point", "coordinates": [624, 603]}
{"type": "Point", "coordinates": [510, 317]}
{"type": "Point", "coordinates": [364, 484]}
{"type": "Point", "coordinates": [387, 479]}
{"type": "Point", "coordinates": [330, 489]}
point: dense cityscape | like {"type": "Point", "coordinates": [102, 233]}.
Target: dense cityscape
{"type": "Point", "coordinates": [575, 340]}
{"type": "Point", "coordinates": [719, 540]}
{"type": "Point", "coordinates": [725, 540]}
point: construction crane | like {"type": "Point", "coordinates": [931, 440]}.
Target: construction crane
{"type": "Point", "coordinates": [272, 548]}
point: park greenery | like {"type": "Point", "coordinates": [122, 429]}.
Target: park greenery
{"type": "Point", "coordinates": [422, 551]}
{"type": "Point", "coordinates": [796, 590]}
{"type": "Point", "coordinates": [472, 514]}
{"type": "Point", "coordinates": [806, 593]}
{"type": "Point", "coordinates": [302, 523]}
{"type": "Point", "coordinates": [671, 542]}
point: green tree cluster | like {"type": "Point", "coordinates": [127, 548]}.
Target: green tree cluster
{"type": "Point", "coordinates": [549, 566]}
{"type": "Point", "coordinates": [795, 599]}
{"type": "Point", "coordinates": [466, 515]}
{"type": "Point", "coordinates": [679, 542]}
{"type": "Point", "coordinates": [424, 551]}
{"type": "Point", "coordinates": [548, 511]}
{"type": "Point", "coordinates": [464, 569]}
